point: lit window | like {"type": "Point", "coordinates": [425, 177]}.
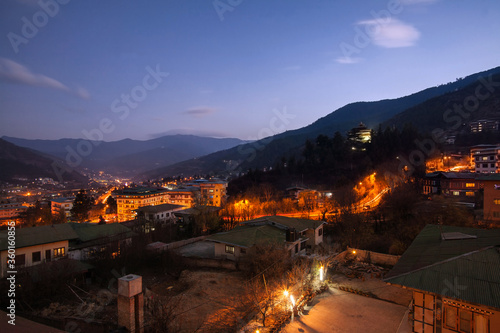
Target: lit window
{"type": "Point", "coordinates": [456, 192]}
{"type": "Point", "coordinates": [59, 252]}
{"type": "Point", "coordinates": [230, 249]}
{"type": "Point", "coordinates": [469, 193]}
{"type": "Point", "coordinates": [496, 201]}
{"type": "Point", "coordinates": [470, 184]}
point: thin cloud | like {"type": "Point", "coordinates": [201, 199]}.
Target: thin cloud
{"type": "Point", "coordinates": [292, 68]}
{"type": "Point", "coordinates": [348, 60]}
{"type": "Point", "coordinates": [13, 72]}
{"type": "Point", "coordinates": [392, 33]}
{"type": "Point", "coordinates": [416, 2]}
{"type": "Point", "coordinates": [191, 131]}
{"type": "Point", "coordinates": [199, 112]}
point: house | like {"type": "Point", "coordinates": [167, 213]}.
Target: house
{"type": "Point", "coordinates": [295, 234]}
{"type": "Point", "coordinates": [94, 240]}
{"type": "Point", "coordinates": [454, 275]}
{"type": "Point", "coordinates": [36, 245]}
{"type": "Point", "coordinates": [460, 185]}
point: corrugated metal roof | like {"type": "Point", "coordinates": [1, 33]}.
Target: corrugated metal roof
{"type": "Point", "coordinates": [38, 235]}
{"type": "Point", "coordinates": [89, 232]}
{"type": "Point", "coordinates": [464, 269]}
{"type": "Point", "coordinates": [290, 222]}
{"type": "Point", "coordinates": [247, 235]}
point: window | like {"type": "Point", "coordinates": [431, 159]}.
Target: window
{"type": "Point", "coordinates": [320, 232]}
{"type": "Point", "coordinates": [450, 317]}
{"type": "Point", "coordinates": [465, 321]}
{"type": "Point", "coordinates": [485, 165]}
{"type": "Point", "coordinates": [480, 323]}
{"type": "Point", "coordinates": [456, 192]}
{"type": "Point", "coordinates": [47, 255]}
{"type": "Point", "coordinates": [470, 184]}
{"type": "Point", "coordinates": [496, 201]}
{"type": "Point", "coordinates": [485, 158]}
{"type": "Point", "coordinates": [59, 252]}
{"type": "Point", "coordinates": [36, 256]}
{"type": "Point", "coordinates": [469, 193]}
{"type": "Point", "coordinates": [230, 249]}
{"type": "Point", "coordinates": [243, 251]}
{"type": "Point", "coordinates": [20, 260]}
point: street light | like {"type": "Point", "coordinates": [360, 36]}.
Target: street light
{"type": "Point", "coordinates": [321, 269]}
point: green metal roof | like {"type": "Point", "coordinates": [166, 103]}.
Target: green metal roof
{"type": "Point", "coordinates": [462, 268]}
{"type": "Point", "coordinates": [248, 235]}
{"type": "Point", "coordinates": [95, 234]}
{"type": "Point", "coordinates": [289, 222]}
{"type": "Point", "coordinates": [38, 235]}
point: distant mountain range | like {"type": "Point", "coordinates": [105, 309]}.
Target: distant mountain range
{"type": "Point", "coordinates": [129, 157]}
{"type": "Point", "coordinates": [423, 109]}
{"type": "Point", "coordinates": [17, 163]}
{"type": "Point", "coordinates": [188, 155]}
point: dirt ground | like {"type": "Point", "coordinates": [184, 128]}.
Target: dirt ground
{"type": "Point", "coordinates": [201, 294]}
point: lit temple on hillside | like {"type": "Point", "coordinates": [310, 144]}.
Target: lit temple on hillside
{"type": "Point", "coordinates": [360, 134]}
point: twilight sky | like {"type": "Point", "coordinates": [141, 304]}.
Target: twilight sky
{"type": "Point", "coordinates": [224, 68]}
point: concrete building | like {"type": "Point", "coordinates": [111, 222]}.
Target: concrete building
{"type": "Point", "coordinates": [484, 125]}
{"type": "Point", "coordinates": [485, 158]}
{"type": "Point", "coordinates": [491, 196]}
{"type": "Point", "coordinates": [296, 235]}
{"type": "Point", "coordinates": [9, 211]}
{"type": "Point", "coordinates": [130, 199]}
{"type": "Point", "coordinates": [58, 204]}
{"type": "Point", "coordinates": [186, 197]}
{"type": "Point", "coordinates": [453, 273]}
{"type": "Point", "coordinates": [213, 193]}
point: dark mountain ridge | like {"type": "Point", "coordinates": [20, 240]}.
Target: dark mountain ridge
{"type": "Point", "coordinates": [266, 152]}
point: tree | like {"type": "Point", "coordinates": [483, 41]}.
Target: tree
{"type": "Point", "coordinates": [81, 206]}
{"type": "Point", "coordinates": [112, 205]}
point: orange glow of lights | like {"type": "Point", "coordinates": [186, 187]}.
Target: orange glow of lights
{"type": "Point", "coordinates": [353, 251]}
{"type": "Point", "coordinates": [285, 293]}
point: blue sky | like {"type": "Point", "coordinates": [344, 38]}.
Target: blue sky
{"type": "Point", "coordinates": [224, 68]}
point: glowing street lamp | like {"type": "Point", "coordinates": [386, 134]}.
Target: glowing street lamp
{"type": "Point", "coordinates": [321, 273]}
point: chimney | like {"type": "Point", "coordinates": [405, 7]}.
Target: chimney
{"type": "Point", "coordinates": [131, 303]}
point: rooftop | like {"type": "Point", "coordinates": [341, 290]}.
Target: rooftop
{"type": "Point", "coordinates": [159, 208]}
{"type": "Point", "coordinates": [39, 235]}
{"type": "Point", "coordinates": [287, 222]}
{"type": "Point", "coordinates": [463, 265]}
{"type": "Point", "coordinates": [141, 190]}
{"type": "Point", "coordinates": [249, 235]}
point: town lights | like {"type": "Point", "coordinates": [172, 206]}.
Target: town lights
{"type": "Point", "coordinates": [353, 251]}
{"type": "Point", "coordinates": [321, 272]}
{"type": "Point", "coordinates": [285, 293]}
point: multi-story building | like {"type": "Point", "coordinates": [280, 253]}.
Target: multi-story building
{"type": "Point", "coordinates": [59, 204]}
{"type": "Point", "coordinates": [130, 199]}
{"type": "Point", "coordinates": [213, 192]}
{"type": "Point", "coordinates": [485, 158]}
{"type": "Point", "coordinates": [9, 211]}
{"type": "Point", "coordinates": [484, 125]}
{"type": "Point", "coordinates": [491, 196]}
{"type": "Point", "coordinates": [186, 197]}
{"type": "Point", "coordinates": [454, 184]}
